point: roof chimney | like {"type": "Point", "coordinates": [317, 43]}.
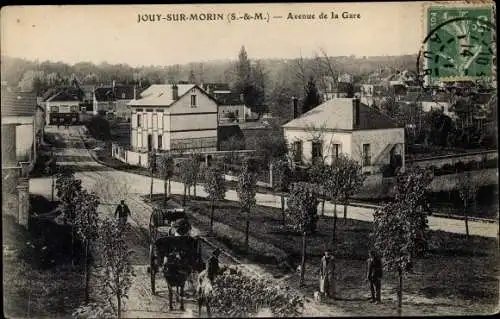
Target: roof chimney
{"type": "Point", "coordinates": [175, 92]}
{"type": "Point", "coordinates": [242, 98]}
{"type": "Point", "coordinates": [295, 104]}
{"type": "Point", "coordinates": [355, 112]}
{"type": "Point", "coordinates": [135, 91]}
{"type": "Point", "coordinates": [114, 82]}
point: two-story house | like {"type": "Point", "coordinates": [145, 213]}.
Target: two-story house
{"type": "Point", "coordinates": [114, 100]}
{"type": "Point", "coordinates": [345, 125]}
{"type": "Point", "coordinates": [179, 117]}
{"type": "Point", "coordinates": [63, 105]}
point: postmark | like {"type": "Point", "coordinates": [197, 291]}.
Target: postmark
{"type": "Point", "coordinates": [459, 45]}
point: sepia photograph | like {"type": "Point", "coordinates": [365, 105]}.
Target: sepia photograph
{"type": "Point", "coordinates": [250, 160]}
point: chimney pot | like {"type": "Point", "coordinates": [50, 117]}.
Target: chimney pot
{"type": "Point", "coordinates": [295, 104]}
{"type": "Point", "coordinates": [355, 112]}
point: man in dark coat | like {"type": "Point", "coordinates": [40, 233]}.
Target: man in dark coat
{"type": "Point", "coordinates": [327, 272]}
{"type": "Point", "coordinates": [374, 275]}
{"type": "Point", "coordinates": [213, 265]}
{"type": "Point", "coordinates": [122, 212]}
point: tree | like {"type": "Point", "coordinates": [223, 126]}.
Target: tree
{"type": "Point", "coordinates": [311, 97]}
{"type": "Point", "coordinates": [302, 211]}
{"type": "Point", "coordinates": [317, 173]}
{"type": "Point", "coordinates": [329, 177]}
{"type": "Point", "coordinates": [467, 189]}
{"type": "Point", "coordinates": [215, 187]}
{"type": "Point", "coordinates": [51, 169]}
{"type": "Point", "coordinates": [247, 188]}
{"type": "Point", "coordinates": [86, 222]}
{"type": "Point", "coordinates": [68, 188]}
{"type": "Point", "coordinates": [115, 261]}
{"type": "Point", "coordinates": [282, 179]}
{"type": "Point", "coordinates": [399, 227]}
{"type": "Point", "coordinates": [151, 169]}
{"type": "Point", "coordinates": [237, 294]}
{"type": "Point", "coordinates": [351, 179]}
{"type": "Point", "coordinates": [166, 168]}
{"type": "Point", "coordinates": [189, 172]}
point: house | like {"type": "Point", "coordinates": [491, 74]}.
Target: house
{"type": "Point", "coordinates": [231, 105]}
{"type": "Point", "coordinates": [114, 100]}
{"type": "Point", "coordinates": [63, 105]}
{"type": "Point", "coordinates": [23, 123]}
{"type": "Point", "coordinates": [345, 125]}
{"type": "Point", "coordinates": [174, 117]}
{"type": "Point", "coordinates": [331, 89]}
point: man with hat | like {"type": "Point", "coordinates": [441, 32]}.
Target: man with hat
{"type": "Point", "coordinates": [326, 272]}
{"type": "Point", "coordinates": [122, 211]}
{"type": "Point", "coordinates": [213, 265]}
{"type": "Point", "coordinates": [374, 275]}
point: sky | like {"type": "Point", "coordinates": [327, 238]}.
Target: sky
{"type": "Point", "coordinates": [106, 33]}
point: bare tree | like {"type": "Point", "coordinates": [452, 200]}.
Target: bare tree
{"type": "Point", "coordinates": [467, 189]}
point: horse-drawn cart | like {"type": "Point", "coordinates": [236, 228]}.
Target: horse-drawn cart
{"type": "Point", "coordinates": [176, 240]}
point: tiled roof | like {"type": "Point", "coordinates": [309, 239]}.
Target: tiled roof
{"type": "Point", "coordinates": [67, 93]}
{"type": "Point", "coordinates": [18, 103]}
{"type": "Point", "coordinates": [160, 94]}
{"type": "Point", "coordinates": [104, 94]}
{"type": "Point", "coordinates": [337, 114]}
{"type": "Point", "coordinates": [124, 92]}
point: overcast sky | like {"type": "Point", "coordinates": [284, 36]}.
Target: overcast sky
{"type": "Point", "coordinates": [111, 33]}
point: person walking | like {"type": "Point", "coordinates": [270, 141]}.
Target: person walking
{"type": "Point", "coordinates": [374, 275]}
{"type": "Point", "coordinates": [213, 265]}
{"type": "Point", "coordinates": [122, 212]}
{"type": "Point", "coordinates": [326, 273]}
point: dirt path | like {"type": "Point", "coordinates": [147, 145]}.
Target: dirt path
{"type": "Point", "coordinates": [112, 185]}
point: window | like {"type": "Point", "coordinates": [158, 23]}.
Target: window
{"type": "Point", "coordinates": [317, 151]}
{"type": "Point", "coordinates": [367, 159]}
{"type": "Point", "coordinates": [139, 123]}
{"type": "Point", "coordinates": [193, 100]}
{"type": "Point", "coordinates": [123, 95]}
{"type": "Point", "coordinates": [74, 108]}
{"type": "Point", "coordinates": [155, 121]}
{"type": "Point", "coordinates": [84, 109]}
{"type": "Point", "coordinates": [159, 141]}
{"type": "Point", "coordinates": [336, 150]}
{"type": "Point", "coordinates": [54, 109]}
{"type": "Point", "coordinates": [297, 151]}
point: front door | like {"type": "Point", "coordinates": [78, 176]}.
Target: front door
{"type": "Point", "coordinates": [150, 142]}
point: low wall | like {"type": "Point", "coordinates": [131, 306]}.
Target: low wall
{"type": "Point", "coordinates": [127, 156]}
{"type": "Point", "coordinates": [440, 161]}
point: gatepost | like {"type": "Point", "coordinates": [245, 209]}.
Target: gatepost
{"type": "Point", "coordinates": [24, 203]}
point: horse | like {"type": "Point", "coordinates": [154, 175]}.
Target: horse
{"type": "Point", "coordinates": [175, 276]}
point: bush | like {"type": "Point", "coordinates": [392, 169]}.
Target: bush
{"type": "Point", "coordinates": [99, 128]}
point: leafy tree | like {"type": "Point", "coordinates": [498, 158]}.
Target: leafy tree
{"type": "Point", "coordinates": [215, 187]}
{"type": "Point", "coordinates": [115, 261]}
{"type": "Point", "coordinates": [166, 167]}
{"type": "Point", "coordinates": [330, 179]}
{"type": "Point", "coordinates": [467, 189]}
{"type": "Point", "coordinates": [282, 179]}
{"type": "Point", "coordinates": [311, 97]}
{"type": "Point", "coordinates": [68, 188]}
{"type": "Point", "coordinates": [86, 222]}
{"type": "Point", "coordinates": [317, 173]}
{"type": "Point", "coordinates": [399, 227]}
{"type": "Point", "coordinates": [351, 179]}
{"type": "Point", "coordinates": [302, 211]}
{"type": "Point", "coordinates": [247, 188]}
{"type": "Point", "coordinates": [51, 169]}
{"type": "Point", "coordinates": [189, 173]}
{"type": "Point", "coordinates": [237, 294]}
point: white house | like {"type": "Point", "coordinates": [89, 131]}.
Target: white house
{"type": "Point", "coordinates": [345, 125]}
{"type": "Point", "coordinates": [63, 104]}
{"type": "Point", "coordinates": [174, 117]}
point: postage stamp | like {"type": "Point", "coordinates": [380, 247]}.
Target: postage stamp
{"type": "Point", "coordinates": [459, 43]}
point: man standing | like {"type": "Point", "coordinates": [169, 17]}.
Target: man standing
{"type": "Point", "coordinates": [213, 265]}
{"type": "Point", "coordinates": [122, 211]}
{"type": "Point", "coordinates": [374, 275]}
{"type": "Point", "coordinates": [326, 272]}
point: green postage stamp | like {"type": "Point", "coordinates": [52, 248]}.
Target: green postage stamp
{"type": "Point", "coordinates": [459, 44]}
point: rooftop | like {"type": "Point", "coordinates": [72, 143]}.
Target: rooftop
{"type": "Point", "coordinates": [160, 95]}
{"type": "Point", "coordinates": [18, 103]}
{"type": "Point", "coordinates": [337, 114]}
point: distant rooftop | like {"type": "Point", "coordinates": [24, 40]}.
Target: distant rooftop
{"type": "Point", "coordinates": [18, 103]}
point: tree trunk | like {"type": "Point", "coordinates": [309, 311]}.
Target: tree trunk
{"type": "Point", "coordinates": [345, 210]}
{"type": "Point", "coordinates": [87, 272]}
{"type": "Point", "coordinates": [400, 292]}
{"type": "Point", "coordinates": [334, 232]}
{"type": "Point", "coordinates": [52, 188]}
{"type": "Point", "coordinates": [119, 306]}
{"type": "Point", "coordinates": [283, 209]}
{"type": "Point", "coordinates": [72, 246]}
{"type": "Point", "coordinates": [184, 197]}
{"type": "Point", "coordinates": [247, 230]}
{"type": "Point", "coordinates": [323, 207]}
{"type": "Point", "coordinates": [151, 188]}
{"type": "Point", "coordinates": [165, 195]}
{"type": "Point", "coordinates": [212, 218]}
{"type": "Point", "coordinates": [466, 213]}
{"type": "Point", "coordinates": [169, 187]}
{"type": "Point", "coordinates": [194, 188]}
{"type": "Point", "coordinates": [303, 262]}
